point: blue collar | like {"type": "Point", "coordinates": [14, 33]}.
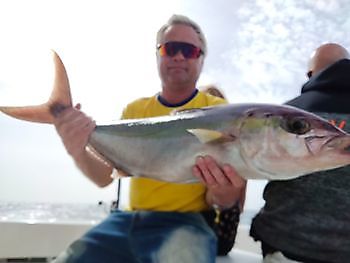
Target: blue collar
{"type": "Point", "coordinates": [167, 104]}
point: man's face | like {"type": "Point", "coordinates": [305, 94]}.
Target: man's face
{"type": "Point", "coordinates": [177, 70]}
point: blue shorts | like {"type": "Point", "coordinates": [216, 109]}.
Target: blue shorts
{"type": "Point", "coordinates": [147, 237]}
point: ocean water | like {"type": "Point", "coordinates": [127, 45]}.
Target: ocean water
{"type": "Point", "coordinates": [31, 213]}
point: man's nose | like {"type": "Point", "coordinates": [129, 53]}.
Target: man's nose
{"type": "Point", "coordinates": [179, 55]}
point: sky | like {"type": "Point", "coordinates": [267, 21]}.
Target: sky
{"type": "Point", "coordinates": [258, 52]}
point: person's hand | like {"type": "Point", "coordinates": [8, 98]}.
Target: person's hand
{"type": "Point", "coordinates": [225, 186]}
{"type": "Point", "coordinates": [74, 127]}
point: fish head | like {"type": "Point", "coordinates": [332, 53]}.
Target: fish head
{"type": "Point", "coordinates": [282, 142]}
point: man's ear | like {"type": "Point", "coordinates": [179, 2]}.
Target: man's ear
{"type": "Point", "coordinates": [309, 74]}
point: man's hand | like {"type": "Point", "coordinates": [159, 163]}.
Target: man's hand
{"type": "Point", "coordinates": [74, 127]}
{"type": "Point", "coordinates": [225, 186]}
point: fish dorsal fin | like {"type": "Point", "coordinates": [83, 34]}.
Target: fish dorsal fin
{"type": "Point", "coordinates": [182, 111]}
{"type": "Point", "coordinates": [208, 136]}
{"type": "Point", "coordinates": [190, 110]}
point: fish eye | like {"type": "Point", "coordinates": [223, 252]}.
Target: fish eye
{"type": "Point", "coordinates": [296, 126]}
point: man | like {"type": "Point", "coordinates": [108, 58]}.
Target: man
{"type": "Point", "coordinates": [163, 224]}
{"type": "Point", "coordinates": [213, 90]}
{"type": "Point", "coordinates": [307, 219]}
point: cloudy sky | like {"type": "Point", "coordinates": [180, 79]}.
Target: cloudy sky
{"type": "Point", "coordinates": [258, 51]}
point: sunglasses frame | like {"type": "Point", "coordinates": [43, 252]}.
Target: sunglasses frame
{"type": "Point", "coordinates": [184, 47]}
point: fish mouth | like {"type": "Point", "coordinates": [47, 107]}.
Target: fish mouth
{"type": "Point", "coordinates": [339, 142]}
{"type": "Point", "coordinates": [347, 149]}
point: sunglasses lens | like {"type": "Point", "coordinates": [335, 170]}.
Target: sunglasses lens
{"type": "Point", "coordinates": [172, 48]}
{"type": "Point", "coordinates": [162, 50]}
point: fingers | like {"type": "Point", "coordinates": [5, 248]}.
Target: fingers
{"type": "Point", "coordinates": [72, 119]}
{"type": "Point", "coordinates": [122, 173]}
{"type": "Point", "coordinates": [224, 185]}
{"type": "Point", "coordinates": [232, 175]}
{"type": "Point", "coordinates": [78, 106]}
{"type": "Point", "coordinates": [197, 173]}
{"type": "Point", "coordinates": [209, 172]}
{"type": "Point", "coordinates": [203, 171]}
{"type": "Point", "coordinates": [74, 128]}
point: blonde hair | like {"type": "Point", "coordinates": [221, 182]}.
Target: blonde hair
{"type": "Point", "coordinates": [183, 20]}
{"type": "Point", "coordinates": [213, 90]}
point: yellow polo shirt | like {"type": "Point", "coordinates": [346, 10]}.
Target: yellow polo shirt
{"type": "Point", "coordinates": [148, 194]}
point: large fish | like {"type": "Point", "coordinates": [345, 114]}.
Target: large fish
{"type": "Point", "coordinates": [261, 141]}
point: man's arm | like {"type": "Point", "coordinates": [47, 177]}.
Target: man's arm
{"type": "Point", "coordinates": [224, 186]}
{"type": "Point", "coordinates": [74, 127]}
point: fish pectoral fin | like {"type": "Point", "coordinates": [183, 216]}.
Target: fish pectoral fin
{"type": "Point", "coordinates": [209, 136]}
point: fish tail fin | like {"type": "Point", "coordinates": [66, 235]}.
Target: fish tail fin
{"type": "Point", "coordinates": [59, 100]}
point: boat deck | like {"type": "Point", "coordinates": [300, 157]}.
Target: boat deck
{"type": "Point", "coordinates": [37, 232]}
